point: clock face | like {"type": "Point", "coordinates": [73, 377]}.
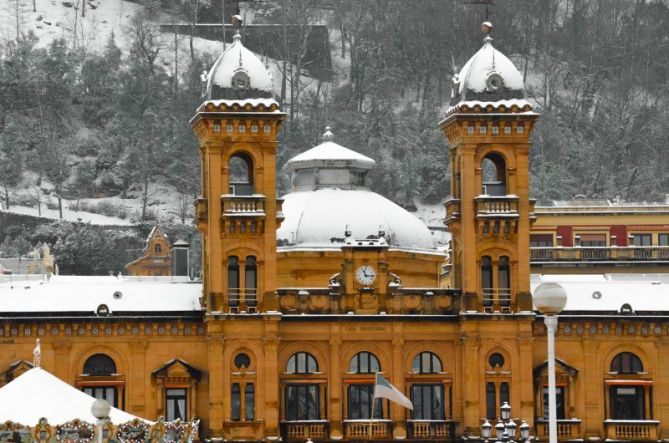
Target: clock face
{"type": "Point", "coordinates": [365, 275]}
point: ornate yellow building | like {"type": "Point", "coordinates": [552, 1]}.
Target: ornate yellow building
{"type": "Point", "coordinates": [304, 298]}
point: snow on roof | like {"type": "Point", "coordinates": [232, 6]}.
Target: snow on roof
{"type": "Point", "coordinates": [237, 58]}
{"type": "Point", "coordinates": [330, 151]}
{"type": "Point", "coordinates": [609, 292]}
{"type": "Point", "coordinates": [84, 294]}
{"type": "Point", "coordinates": [318, 219]}
{"type": "Point", "coordinates": [254, 102]}
{"type": "Point", "coordinates": [38, 393]}
{"type": "Point", "coordinates": [474, 74]}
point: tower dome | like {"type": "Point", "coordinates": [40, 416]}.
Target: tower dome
{"type": "Point", "coordinates": [238, 74]}
{"type": "Point", "coordinates": [329, 197]}
{"type": "Point", "coordinates": [489, 76]}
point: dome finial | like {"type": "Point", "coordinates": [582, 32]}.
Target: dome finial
{"type": "Point", "coordinates": [328, 135]}
{"type": "Point", "coordinates": [237, 23]}
{"type": "Point", "coordinates": [486, 28]}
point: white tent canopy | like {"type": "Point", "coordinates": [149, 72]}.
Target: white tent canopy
{"type": "Point", "coordinates": [37, 393]}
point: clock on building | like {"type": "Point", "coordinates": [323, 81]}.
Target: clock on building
{"type": "Point", "coordinates": [365, 275]}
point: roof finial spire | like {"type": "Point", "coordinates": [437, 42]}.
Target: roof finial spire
{"type": "Point", "coordinates": [237, 23]}
{"type": "Point", "coordinates": [486, 28]}
{"type": "Point", "coordinates": [328, 135]}
{"type": "Point", "coordinates": [37, 355]}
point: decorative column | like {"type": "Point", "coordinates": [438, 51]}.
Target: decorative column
{"type": "Point", "coordinates": [398, 415]}
{"type": "Point", "coordinates": [271, 378]}
{"type": "Point", "coordinates": [335, 409]}
{"type": "Point", "coordinates": [217, 389]}
{"type": "Point", "coordinates": [137, 377]}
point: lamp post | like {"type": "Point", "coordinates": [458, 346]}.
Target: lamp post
{"type": "Point", "coordinates": [505, 429]}
{"type": "Point", "coordinates": [549, 299]}
{"type": "Point", "coordinates": [100, 410]}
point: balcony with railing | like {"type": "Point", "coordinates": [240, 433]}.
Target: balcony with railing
{"type": "Point", "coordinates": [632, 430]}
{"type": "Point", "coordinates": [496, 207]}
{"type": "Point", "coordinates": [242, 300]}
{"type": "Point", "coordinates": [360, 429]}
{"type": "Point", "coordinates": [431, 429]}
{"type": "Point", "coordinates": [452, 206]}
{"type": "Point", "coordinates": [302, 430]}
{"type": "Point", "coordinates": [567, 429]}
{"type": "Point", "coordinates": [497, 299]}
{"type": "Point", "coordinates": [629, 254]}
{"type": "Point", "coordinates": [243, 205]}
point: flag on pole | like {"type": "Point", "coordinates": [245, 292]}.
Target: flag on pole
{"type": "Point", "coordinates": [383, 389]}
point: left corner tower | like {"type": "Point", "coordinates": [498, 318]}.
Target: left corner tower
{"type": "Point", "coordinates": [238, 211]}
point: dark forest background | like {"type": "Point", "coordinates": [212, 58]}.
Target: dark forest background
{"type": "Point", "coordinates": [112, 122]}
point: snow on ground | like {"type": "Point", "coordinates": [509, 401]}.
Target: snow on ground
{"type": "Point", "coordinates": [72, 216]}
{"type": "Point", "coordinates": [54, 19]}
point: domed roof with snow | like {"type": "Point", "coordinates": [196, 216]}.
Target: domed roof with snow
{"type": "Point", "coordinates": [329, 197]}
{"type": "Point", "coordinates": [238, 74]}
{"type": "Point", "coordinates": [489, 76]}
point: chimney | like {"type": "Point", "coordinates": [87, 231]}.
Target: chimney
{"type": "Point", "coordinates": [180, 257]}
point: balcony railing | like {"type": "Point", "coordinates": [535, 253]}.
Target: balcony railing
{"type": "Point", "coordinates": [452, 206]}
{"type": "Point", "coordinates": [242, 299]}
{"type": "Point", "coordinates": [496, 206]}
{"type": "Point", "coordinates": [632, 430]}
{"type": "Point", "coordinates": [496, 298]}
{"type": "Point", "coordinates": [567, 429]}
{"type": "Point", "coordinates": [600, 254]}
{"type": "Point", "coordinates": [359, 429]}
{"type": "Point", "coordinates": [301, 430]}
{"type": "Point", "coordinates": [243, 205]}
{"type": "Point", "coordinates": [431, 429]}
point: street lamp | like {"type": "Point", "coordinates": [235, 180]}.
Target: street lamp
{"type": "Point", "coordinates": [505, 429]}
{"type": "Point", "coordinates": [100, 410]}
{"type": "Point", "coordinates": [549, 299]}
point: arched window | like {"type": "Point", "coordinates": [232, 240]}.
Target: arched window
{"type": "Point", "coordinates": [240, 170]}
{"type": "Point", "coordinates": [100, 365]}
{"type": "Point", "coordinates": [493, 174]}
{"type": "Point", "coordinates": [486, 280]}
{"type": "Point", "coordinates": [301, 363]}
{"type": "Point", "coordinates": [626, 363]}
{"type": "Point", "coordinates": [364, 363]}
{"type": "Point", "coordinates": [251, 280]}
{"type": "Point", "coordinates": [302, 398]}
{"type": "Point", "coordinates": [426, 363]}
{"type": "Point", "coordinates": [498, 379]}
{"type": "Point", "coordinates": [427, 396]}
{"type": "Point", "coordinates": [628, 400]}
{"type": "Point", "coordinates": [157, 248]}
{"type": "Point", "coordinates": [503, 281]}
{"type": "Point", "coordinates": [233, 281]}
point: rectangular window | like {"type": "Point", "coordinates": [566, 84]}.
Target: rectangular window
{"type": "Point", "coordinates": [428, 402]}
{"type": "Point", "coordinates": [642, 240]}
{"type": "Point", "coordinates": [504, 393]}
{"type": "Point", "coordinates": [236, 403]}
{"type": "Point", "coordinates": [491, 397]}
{"type": "Point", "coordinates": [627, 403]}
{"type": "Point", "coordinates": [103, 393]}
{"type": "Point", "coordinates": [663, 239]}
{"type": "Point", "coordinates": [249, 401]}
{"type": "Point", "coordinates": [559, 402]}
{"type": "Point", "coordinates": [541, 240]}
{"type": "Point", "coordinates": [302, 402]}
{"type": "Point", "coordinates": [175, 404]}
{"type": "Point", "coordinates": [593, 240]}
{"type": "Point", "coordinates": [360, 403]}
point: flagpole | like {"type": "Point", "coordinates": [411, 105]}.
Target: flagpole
{"type": "Point", "coordinates": [371, 418]}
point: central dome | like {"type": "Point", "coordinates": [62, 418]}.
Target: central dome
{"type": "Point", "coordinates": [329, 197]}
